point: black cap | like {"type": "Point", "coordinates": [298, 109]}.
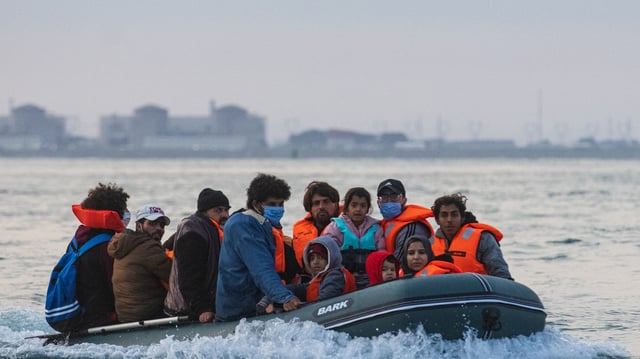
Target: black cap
{"type": "Point", "coordinates": [393, 184]}
{"type": "Point", "coordinates": [210, 198]}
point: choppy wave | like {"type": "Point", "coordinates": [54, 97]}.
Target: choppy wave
{"type": "Point", "coordinates": [277, 339]}
{"type": "Point", "coordinates": [569, 233]}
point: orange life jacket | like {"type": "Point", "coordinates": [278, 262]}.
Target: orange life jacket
{"type": "Point", "coordinates": [464, 246]}
{"type": "Point", "coordinates": [303, 232]}
{"type": "Point", "coordinates": [436, 267]}
{"type": "Point", "coordinates": [314, 286]}
{"type": "Point", "coordinates": [278, 238]}
{"type": "Point", "coordinates": [220, 232]}
{"type": "Point", "coordinates": [411, 213]}
{"type": "Point", "coordinates": [95, 218]}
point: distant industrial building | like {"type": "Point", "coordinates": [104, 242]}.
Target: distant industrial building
{"type": "Point", "coordinates": [30, 128]}
{"type": "Point", "coordinates": [151, 128]}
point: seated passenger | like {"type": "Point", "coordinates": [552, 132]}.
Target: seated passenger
{"type": "Point", "coordinates": [356, 233]}
{"type": "Point", "coordinates": [382, 266]}
{"type": "Point", "coordinates": [140, 267]}
{"type": "Point", "coordinates": [473, 246]}
{"type": "Point", "coordinates": [322, 260]}
{"type": "Point", "coordinates": [418, 263]}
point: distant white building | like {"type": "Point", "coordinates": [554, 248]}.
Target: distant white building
{"type": "Point", "coordinates": [229, 128]}
{"type": "Point", "coordinates": [30, 128]}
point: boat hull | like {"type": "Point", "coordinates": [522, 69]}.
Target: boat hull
{"type": "Point", "coordinates": [448, 305]}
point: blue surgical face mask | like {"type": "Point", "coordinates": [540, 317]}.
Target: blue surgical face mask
{"type": "Point", "coordinates": [126, 218]}
{"type": "Point", "coordinates": [390, 210]}
{"type": "Point", "coordinates": [274, 213]}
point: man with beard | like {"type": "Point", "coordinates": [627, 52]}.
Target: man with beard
{"type": "Point", "coordinates": [140, 268]}
{"type": "Point", "coordinates": [321, 201]}
{"type": "Point", "coordinates": [196, 250]}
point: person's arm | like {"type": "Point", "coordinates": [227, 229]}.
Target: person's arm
{"type": "Point", "coordinates": [332, 231]}
{"type": "Point", "coordinates": [332, 285]}
{"type": "Point", "coordinates": [157, 261]}
{"type": "Point", "coordinates": [490, 254]}
{"type": "Point", "coordinates": [254, 246]}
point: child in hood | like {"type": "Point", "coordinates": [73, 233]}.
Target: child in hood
{"type": "Point", "coordinates": [323, 261]}
{"type": "Point", "coordinates": [382, 266]}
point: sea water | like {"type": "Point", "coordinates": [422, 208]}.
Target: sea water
{"type": "Point", "coordinates": [571, 233]}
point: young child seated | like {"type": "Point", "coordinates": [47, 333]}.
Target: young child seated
{"type": "Point", "coordinates": [323, 261]}
{"type": "Point", "coordinates": [382, 266]}
{"type": "Point", "coordinates": [357, 233]}
{"type": "Point", "coordinates": [418, 262]}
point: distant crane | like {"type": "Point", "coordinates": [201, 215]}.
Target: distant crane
{"type": "Point", "coordinates": [540, 132]}
{"type": "Point", "coordinates": [561, 131]}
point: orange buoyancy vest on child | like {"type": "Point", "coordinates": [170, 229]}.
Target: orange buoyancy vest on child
{"type": "Point", "coordinates": [95, 218]}
{"type": "Point", "coordinates": [436, 267]}
{"type": "Point", "coordinates": [333, 271]}
{"type": "Point", "coordinates": [303, 232]}
{"type": "Point", "coordinates": [464, 246]}
{"type": "Point", "coordinates": [411, 213]}
{"type": "Point", "coordinates": [313, 290]}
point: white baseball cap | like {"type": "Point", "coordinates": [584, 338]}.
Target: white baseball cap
{"type": "Point", "coordinates": [152, 213]}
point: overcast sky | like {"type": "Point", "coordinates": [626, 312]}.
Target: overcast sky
{"type": "Point", "coordinates": [456, 69]}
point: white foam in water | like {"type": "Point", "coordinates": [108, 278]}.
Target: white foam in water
{"type": "Point", "coordinates": [277, 339]}
{"type": "Point", "coordinates": [554, 243]}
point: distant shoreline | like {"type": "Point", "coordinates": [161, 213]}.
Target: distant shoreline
{"type": "Point", "coordinates": [524, 153]}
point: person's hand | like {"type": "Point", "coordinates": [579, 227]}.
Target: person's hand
{"type": "Point", "coordinates": [293, 304]}
{"type": "Point", "coordinates": [206, 317]}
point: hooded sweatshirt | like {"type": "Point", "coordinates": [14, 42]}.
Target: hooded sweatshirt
{"type": "Point", "coordinates": [333, 279]}
{"type": "Point", "coordinates": [140, 266]}
{"type": "Point", "coordinates": [374, 266]}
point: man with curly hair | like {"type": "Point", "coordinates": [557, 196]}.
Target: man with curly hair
{"type": "Point", "coordinates": [473, 246]}
{"type": "Point", "coordinates": [247, 265]}
{"type": "Point", "coordinates": [102, 212]}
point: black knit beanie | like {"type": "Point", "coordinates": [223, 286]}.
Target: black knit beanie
{"type": "Point", "coordinates": [210, 198]}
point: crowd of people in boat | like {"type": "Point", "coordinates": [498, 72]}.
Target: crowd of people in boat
{"type": "Point", "coordinates": [219, 266]}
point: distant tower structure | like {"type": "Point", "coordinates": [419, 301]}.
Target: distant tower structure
{"type": "Point", "coordinates": [539, 116]}
{"type": "Point", "coordinates": [441, 128]}
{"type": "Point", "coordinates": [591, 129]}
{"type": "Point", "coordinates": [213, 116]}
{"type": "Point", "coordinates": [561, 131]}
{"type": "Point", "coordinates": [610, 125]}
{"type": "Point", "coordinates": [625, 130]}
